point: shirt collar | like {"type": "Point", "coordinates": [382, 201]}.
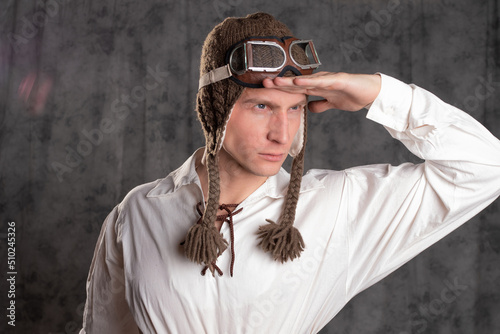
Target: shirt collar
{"type": "Point", "coordinates": [184, 175]}
{"type": "Point", "coordinates": [275, 186]}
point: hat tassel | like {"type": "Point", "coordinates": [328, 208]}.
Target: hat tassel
{"type": "Point", "coordinates": [204, 243]}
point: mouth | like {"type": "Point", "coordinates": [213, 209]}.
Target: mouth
{"type": "Point", "coordinates": [273, 157]}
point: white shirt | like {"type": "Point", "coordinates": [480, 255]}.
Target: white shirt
{"type": "Point", "coordinates": [358, 225]}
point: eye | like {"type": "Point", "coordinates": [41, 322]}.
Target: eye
{"type": "Point", "coordinates": [297, 108]}
{"type": "Point", "coordinates": [260, 107]}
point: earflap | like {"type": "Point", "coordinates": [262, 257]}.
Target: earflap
{"type": "Point", "coordinates": [298, 140]}
{"type": "Point", "coordinates": [224, 129]}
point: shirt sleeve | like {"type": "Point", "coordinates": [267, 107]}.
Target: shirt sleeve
{"type": "Point", "coordinates": [395, 212]}
{"type": "Point", "coordinates": [106, 309]}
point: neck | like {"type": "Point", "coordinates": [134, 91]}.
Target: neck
{"type": "Point", "coordinates": [236, 183]}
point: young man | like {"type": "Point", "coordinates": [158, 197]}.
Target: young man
{"type": "Point", "coordinates": [300, 247]}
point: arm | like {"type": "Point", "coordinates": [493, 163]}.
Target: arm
{"type": "Point", "coordinates": [395, 213]}
{"type": "Point", "coordinates": [106, 310]}
{"type": "Point", "coordinates": [425, 202]}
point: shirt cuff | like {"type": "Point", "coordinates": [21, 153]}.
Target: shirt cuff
{"type": "Point", "coordinates": [392, 106]}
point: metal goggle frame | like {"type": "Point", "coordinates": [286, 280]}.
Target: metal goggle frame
{"type": "Point", "coordinates": [251, 61]}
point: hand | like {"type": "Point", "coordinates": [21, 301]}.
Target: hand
{"type": "Point", "coordinates": [339, 90]}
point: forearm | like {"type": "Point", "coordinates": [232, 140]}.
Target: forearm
{"type": "Point", "coordinates": [434, 130]}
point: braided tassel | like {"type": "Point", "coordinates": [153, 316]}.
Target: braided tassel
{"type": "Point", "coordinates": [203, 242]}
{"type": "Point", "coordinates": [283, 241]}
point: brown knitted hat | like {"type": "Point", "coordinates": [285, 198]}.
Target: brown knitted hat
{"type": "Point", "coordinates": [204, 243]}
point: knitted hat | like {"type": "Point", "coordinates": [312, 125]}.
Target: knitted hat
{"type": "Point", "coordinates": [204, 243]}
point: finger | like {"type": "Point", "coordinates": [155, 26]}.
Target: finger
{"type": "Point", "coordinates": [277, 82]}
{"type": "Point", "coordinates": [307, 81]}
{"type": "Point", "coordinates": [268, 83]}
{"type": "Point", "coordinates": [323, 80]}
{"type": "Point", "coordinates": [295, 81]}
{"type": "Point", "coordinates": [284, 81]}
{"type": "Point", "coordinates": [283, 86]}
{"type": "Point", "coordinates": [288, 85]}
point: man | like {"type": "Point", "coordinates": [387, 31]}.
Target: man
{"type": "Point", "coordinates": [300, 247]}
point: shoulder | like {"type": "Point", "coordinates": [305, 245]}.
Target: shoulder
{"type": "Point", "coordinates": [138, 196]}
{"type": "Point", "coordinates": [142, 190]}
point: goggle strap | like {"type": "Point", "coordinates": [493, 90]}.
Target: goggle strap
{"type": "Point", "coordinates": [215, 75]}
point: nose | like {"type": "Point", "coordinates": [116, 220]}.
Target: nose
{"type": "Point", "coordinates": [278, 128]}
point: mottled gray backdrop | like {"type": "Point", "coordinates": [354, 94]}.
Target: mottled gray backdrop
{"type": "Point", "coordinates": [97, 97]}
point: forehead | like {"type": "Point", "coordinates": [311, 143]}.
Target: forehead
{"type": "Point", "coordinates": [271, 96]}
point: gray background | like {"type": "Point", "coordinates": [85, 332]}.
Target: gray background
{"type": "Point", "coordinates": [67, 65]}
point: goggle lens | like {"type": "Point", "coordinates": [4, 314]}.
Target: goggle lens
{"type": "Point", "coordinates": [304, 54]}
{"type": "Point", "coordinates": [257, 56]}
{"type": "Point", "coordinates": [238, 60]}
{"type": "Point", "coordinates": [268, 56]}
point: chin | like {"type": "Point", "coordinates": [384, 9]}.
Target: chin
{"type": "Point", "coordinates": [266, 171]}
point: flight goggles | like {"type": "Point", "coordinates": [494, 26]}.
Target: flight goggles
{"type": "Point", "coordinates": [252, 60]}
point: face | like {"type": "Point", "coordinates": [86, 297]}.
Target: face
{"type": "Point", "coordinates": [260, 131]}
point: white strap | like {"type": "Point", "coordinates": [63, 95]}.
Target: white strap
{"type": "Point", "coordinates": [215, 75]}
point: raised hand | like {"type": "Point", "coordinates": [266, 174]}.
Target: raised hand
{"type": "Point", "coordinates": [339, 90]}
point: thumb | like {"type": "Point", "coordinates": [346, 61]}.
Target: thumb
{"type": "Point", "coordinates": [319, 106]}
